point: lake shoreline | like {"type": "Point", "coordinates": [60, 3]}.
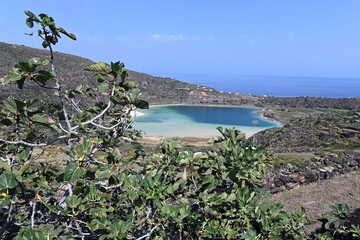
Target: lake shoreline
{"type": "Point", "coordinates": [183, 125]}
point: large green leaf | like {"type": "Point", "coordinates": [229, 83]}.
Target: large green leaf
{"type": "Point", "coordinates": [141, 104]}
{"type": "Point", "coordinates": [134, 97]}
{"type": "Point", "coordinates": [73, 172]}
{"type": "Point", "coordinates": [8, 180]}
{"type": "Point", "coordinates": [5, 166]}
{"type": "Point", "coordinates": [31, 16]}
{"type": "Point", "coordinates": [102, 88]}
{"type": "Point", "coordinates": [29, 22]}
{"type": "Point", "coordinates": [24, 154]}
{"type": "Point", "coordinates": [99, 67]}
{"type": "Point", "coordinates": [10, 105]}
{"type": "Point", "coordinates": [21, 82]}
{"type": "Point", "coordinates": [6, 122]}
{"type": "Point", "coordinates": [70, 35]}
{"type": "Point", "coordinates": [40, 118]}
{"type": "Point", "coordinates": [15, 74]}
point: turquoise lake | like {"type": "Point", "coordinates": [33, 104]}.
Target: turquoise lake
{"type": "Point", "coordinates": [199, 121]}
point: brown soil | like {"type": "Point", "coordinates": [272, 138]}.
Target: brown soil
{"type": "Point", "coordinates": [317, 198]}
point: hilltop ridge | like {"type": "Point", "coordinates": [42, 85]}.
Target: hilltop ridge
{"type": "Point", "coordinates": [156, 90]}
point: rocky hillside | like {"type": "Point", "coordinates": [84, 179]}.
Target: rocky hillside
{"type": "Point", "coordinates": [330, 131]}
{"type": "Point", "coordinates": [311, 102]}
{"type": "Point", "coordinates": [156, 90]}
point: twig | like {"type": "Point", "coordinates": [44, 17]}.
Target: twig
{"type": "Point", "coordinates": [100, 114]}
{"type": "Point", "coordinates": [20, 142]}
{"type": "Point", "coordinates": [33, 205]}
{"type": "Point", "coordinates": [147, 236]}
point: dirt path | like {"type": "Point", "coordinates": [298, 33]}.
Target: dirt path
{"type": "Point", "coordinates": [317, 198]}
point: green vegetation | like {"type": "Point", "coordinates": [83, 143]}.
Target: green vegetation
{"type": "Point", "coordinates": [281, 160]}
{"type": "Point", "coordinates": [98, 191]}
{"type": "Point", "coordinates": [336, 224]}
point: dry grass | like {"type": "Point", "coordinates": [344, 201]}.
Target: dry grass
{"type": "Point", "coordinates": [317, 198]}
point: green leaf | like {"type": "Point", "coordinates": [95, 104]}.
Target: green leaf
{"type": "Point", "coordinates": [37, 62]}
{"type": "Point", "coordinates": [43, 75]}
{"type": "Point", "coordinates": [117, 66]}
{"type": "Point", "coordinates": [70, 35]}
{"type": "Point", "coordinates": [99, 67]}
{"type": "Point", "coordinates": [31, 16]}
{"type": "Point", "coordinates": [10, 105]}
{"type": "Point", "coordinates": [25, 66]}
{"type": "Point", "coordinates": [6, 122]}
{"type": "Point", "coordinates": [29, 22]}
{"type": "Point", "coordinates": [103, 88]}
{"type": "Point", "coordinates": [184, 175]}
{"type": "Point", "coordinates": [32, 234]}
{"type": "Point", "coordinates": [73, 172]}
{"type": "Point", "coordinates": [14, 75]}
{"type": "Point", "coordinates": [8, 180]}
{"type": "Point", "coordinates": [45, 44]}
{"type": "Point", "coordinates": [5, 166]}
{"type": "Point", "coordinates": [73, 201]}
{"type": "Point", "coordinates": [141, 104]}
{"type": "Point", "coordinates": [23, 168]}
{"type": "Point", "coordinates": [231, 197]}
{"type": "Point", "coordinates": [98, 223]}
{"type": "Point", "coordinates": [134, 96]}
{"type": "Point", "coordinates": [40, 118]}
{"type": "Point", "coordinates": [24, 154]}
{"type": "Point", "coordinates": [21, 82]}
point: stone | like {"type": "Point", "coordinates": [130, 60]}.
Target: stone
{"type": "Point", "coordinates": [286, 179]}
{"type": "Point", "coordinates": [278, 182]}
{"type": "Point", "coordinates": [353, 163]}
{"type": "Point", "coordinates": [310, 175]}
{"type": "Point", "coordinates": [292, 185]}
{"type": "Point", "coordinates": [329, 169]}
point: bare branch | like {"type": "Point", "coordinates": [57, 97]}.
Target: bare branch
{"type": "Point", "coordinates": [33, 205]}
{"type": "Point", "coordinates": [100, 114]}
{"type": "Point", "coordinates": [20, 142]}
{"type": "Point", "coordinates": [147, 236]}
{"type": "Point", "coordinates": [108, 128]}
{"type": "Point", "coordinates": [75, 105]}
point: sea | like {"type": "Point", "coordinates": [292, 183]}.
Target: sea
{"type": "Point", "coordinates": [277, 86]}
{"type": "Point", "coordinates": [201, 121]}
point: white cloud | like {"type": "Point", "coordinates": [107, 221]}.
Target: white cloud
{"type": "Point", "coordinates": [168, 38]}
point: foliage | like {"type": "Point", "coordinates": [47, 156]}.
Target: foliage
{"type": "Point", "coordinates": [336, 224]}
{"type": "Point", "coordinates": [171, 194]}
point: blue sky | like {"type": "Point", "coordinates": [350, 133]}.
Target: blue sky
{"type": "Point", "coordinates": [170, 37]}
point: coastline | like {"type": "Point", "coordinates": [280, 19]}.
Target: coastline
{"type": "Point", "coordinates": [184, 129]}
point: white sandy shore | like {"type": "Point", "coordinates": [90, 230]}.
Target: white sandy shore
{"type": "Point", "coordinates": [201, 131]}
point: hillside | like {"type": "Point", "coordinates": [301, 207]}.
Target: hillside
{"type": "Point", "coordinates": [156, 90]}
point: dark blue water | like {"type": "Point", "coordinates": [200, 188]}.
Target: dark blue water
{"type": "Point", "coordinates": [278, 86]}
{"type": "Point", "coordinates": [222, 115]}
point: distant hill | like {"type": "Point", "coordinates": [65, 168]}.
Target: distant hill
{"type": "Point", "coordinates": [156, 90]}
